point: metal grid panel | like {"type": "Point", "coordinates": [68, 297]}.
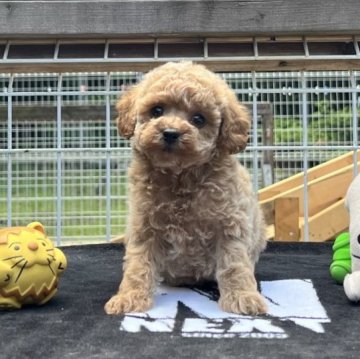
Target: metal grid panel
{"type": "Point", "coordinates": [70, 172]}
{"type": "Point", "coordinates": [331, 102]}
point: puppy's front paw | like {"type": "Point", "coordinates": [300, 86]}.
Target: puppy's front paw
{"type": "Point", "coordinates": [128, 302]}
{"type": "Point", "coordinates": [243, 302]}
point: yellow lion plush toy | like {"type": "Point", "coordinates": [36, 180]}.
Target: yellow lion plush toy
{"type": "Point", "coordinates": [29, 266]}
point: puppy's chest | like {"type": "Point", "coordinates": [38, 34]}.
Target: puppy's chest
{"type": "Point", "coordinates": [186, 227]}
{"type": "Point", "coordinates": [186, 209]}
{"type": "Point", "coordinates": [185, 239]}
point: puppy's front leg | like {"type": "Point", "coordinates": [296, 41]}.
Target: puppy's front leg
{"type": "Point", "coordinates": [236, 280]}
{"type": "Point", "coordinates": [136, 289]}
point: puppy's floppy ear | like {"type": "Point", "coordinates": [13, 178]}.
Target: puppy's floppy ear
{"type": "Point", "coordinates": [235, 124]}
{"type": "Point", "coordinates": [125, 107]}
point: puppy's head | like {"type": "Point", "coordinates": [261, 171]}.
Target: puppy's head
{"type": "Point", "coordinates": [180, 114]}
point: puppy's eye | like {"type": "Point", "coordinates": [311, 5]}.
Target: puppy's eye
{"type": "Point", "coordinates": [198, 120]}
{"type": "Point", "coordinates": [358, 238]}
{"type": "Point", "coordinates": [157, 111]}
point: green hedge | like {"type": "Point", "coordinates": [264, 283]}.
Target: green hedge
{"type": "Point", "coordinates": [325, 126]}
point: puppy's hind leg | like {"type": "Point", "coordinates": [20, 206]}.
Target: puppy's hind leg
{"type": "Point", "coordinates": [236, 280]}
{"type": "Point", "coordinates": [136, 289]}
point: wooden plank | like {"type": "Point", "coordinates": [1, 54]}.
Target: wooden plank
{"type": "Point", "coordinates": [287, 219]}
{"type": "Point", "coordinates": [313, 173]}
{"type": "Point", "coordinates": [326, 190]}
{"type": "Point", "coordinates": [327, 224]}
{"type": "Point", "coordinates": [270, 232]}
{"type": "Point", "coordinates": [85, 112]}
{"type": "Point", "coordinates": [40, 113]}
{"type": "Point", "coordinates": [163, 18]}
{"type": "Point", "coordinates": [322, 192]}
{"type": "Point", "coordinates": [268, 209]}
{"type": "Point", "coordinates": [213, 64]}
{"type": "Point", "coordinates": [119, 239]}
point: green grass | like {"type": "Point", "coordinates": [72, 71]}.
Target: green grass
{"type": "Point", "coordinates": [326, 126]}
{"type": "Point", "coordinates": [83, 202]}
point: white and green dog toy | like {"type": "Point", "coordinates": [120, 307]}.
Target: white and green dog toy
{"type": "Point", "coordinates": [345, 266]}
{"type": "Point", "coordinates": [352, 203]}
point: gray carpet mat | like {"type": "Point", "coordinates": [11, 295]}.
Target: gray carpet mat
{"type": "Point", "coordinates": [309, 315]}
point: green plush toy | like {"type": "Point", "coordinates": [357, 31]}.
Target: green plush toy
{"type": "Point", "coordinates": [341, 260]}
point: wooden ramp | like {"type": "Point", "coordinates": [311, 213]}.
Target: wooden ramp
{"type": "Point", "coordinates": [284, 207]}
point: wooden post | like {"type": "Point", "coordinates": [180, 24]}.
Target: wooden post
{"type": "Point", "coordinates": [268, 140]}
{"type": "Point", "coordinates": [287, 219]}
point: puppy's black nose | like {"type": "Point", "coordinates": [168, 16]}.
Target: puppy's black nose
{"type": "Point", "coordinates": [170, 136]}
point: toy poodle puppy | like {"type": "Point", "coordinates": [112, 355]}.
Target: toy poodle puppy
{"type": "Point", "coordinates": [193, 216]}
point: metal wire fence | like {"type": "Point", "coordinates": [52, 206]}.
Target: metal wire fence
{"type": "Point", "coordinates": [62, 162]}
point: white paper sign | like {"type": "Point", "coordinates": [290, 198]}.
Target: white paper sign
{"type": "Point", "coordinates": [288, 300]}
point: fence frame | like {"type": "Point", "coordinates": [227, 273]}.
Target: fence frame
{"type": "Point", "coordinates": [298, 36]}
